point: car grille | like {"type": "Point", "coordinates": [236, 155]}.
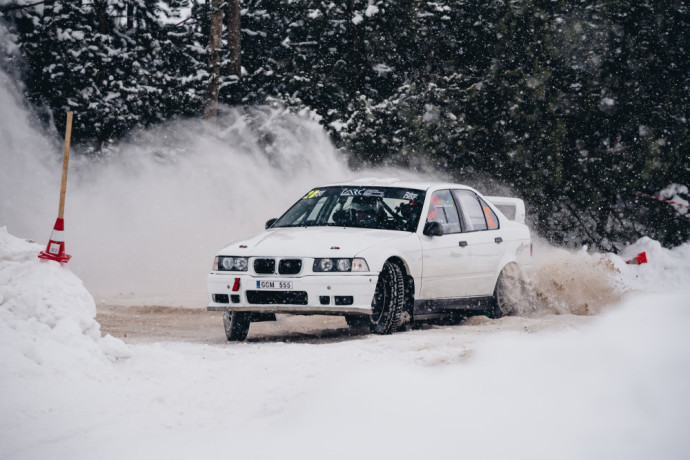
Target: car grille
{"type": "Point", "coordinates": [289, 266]}
{"type": "Point", "coordinates": [265, 266]}
{"type": "Point", "coordinates": [277, 297]}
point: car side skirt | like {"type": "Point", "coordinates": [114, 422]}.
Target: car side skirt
{"type": "Point", "coordinates": [430, 306]}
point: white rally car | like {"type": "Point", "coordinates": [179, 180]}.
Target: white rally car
{"type": "Point", "coordinates": [381, 252]}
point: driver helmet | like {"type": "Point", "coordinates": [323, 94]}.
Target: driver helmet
{"type": "Point", "coordinates": [364, 209]}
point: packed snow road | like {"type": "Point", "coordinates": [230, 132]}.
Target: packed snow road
{"type": "Point", "coordinates": [196, 325]}
{"type": "Point", "coordinates": [136, 325]}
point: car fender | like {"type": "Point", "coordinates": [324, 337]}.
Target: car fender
{"type": "Point", "coordinates": [408, 250]}
{"type": "Point", "coordinates": [517, 251]}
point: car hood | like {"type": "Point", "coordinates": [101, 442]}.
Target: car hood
{"type": "Point", "coordinates": [310, 242]}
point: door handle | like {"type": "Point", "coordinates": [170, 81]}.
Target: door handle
{"type": "Point", "coordinates": [462, 243]}
{"type": "Point", "coordinates": [498, 240]}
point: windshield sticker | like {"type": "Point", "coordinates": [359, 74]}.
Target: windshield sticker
{"type": "Point", "coordinates": [314, 194]}
{"type": "Point", "coordinates": [410, 196]}
{"type": "Point", "coordinates": [362, 192]}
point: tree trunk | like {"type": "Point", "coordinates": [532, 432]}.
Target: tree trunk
{"type": "Point", "coordinates": [130, 15]}
{"type": "Point", "coordinates": [234, 35]}
{"type": "Point", "coordinates": [234, 46]}
{"type": "Point", "coordinates": [214, 46]}
{"type": "Point", "coordinates": [101, 9]}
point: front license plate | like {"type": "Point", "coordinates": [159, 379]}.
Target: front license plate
{"type": "Point", "coordinates": [282, 285]}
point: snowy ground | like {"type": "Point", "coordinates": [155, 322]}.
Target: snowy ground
{"type": "Point", "coordinates": [614, 385]}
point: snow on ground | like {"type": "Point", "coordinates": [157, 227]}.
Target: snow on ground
{"type": "Point", "coordinates": [560, 386]}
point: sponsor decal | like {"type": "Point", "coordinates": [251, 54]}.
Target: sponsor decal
{"type": "Point", "coordinates": [410, 196]}
{"type": "Point", "coordinates": [362, 192]}
{"type": "Point", "coordinates": [314, 194]}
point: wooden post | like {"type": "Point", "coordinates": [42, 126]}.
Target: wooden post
{"type": "Point", "coordinates": [65, 162]}
{"type": "Point", "coordinates": [56, 246]}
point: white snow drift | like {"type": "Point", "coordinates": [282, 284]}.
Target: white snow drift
{"type": "Point", "coordinates": [47, 317]}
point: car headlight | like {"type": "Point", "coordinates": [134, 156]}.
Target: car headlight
{"type": "Point", "coordinates": [344, 265]}
{"type": "Point", "coordinates": [324, 265]}
{"type": "Point", "coordinates": [340, 265]}
{"type": "Point", "coordinates": [228, 263]}
{"type": "Point", "coordinates": [241, 264]}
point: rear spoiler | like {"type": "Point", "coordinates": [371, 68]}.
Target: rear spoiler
{"type": "Point", "coordinates": [512, 208]}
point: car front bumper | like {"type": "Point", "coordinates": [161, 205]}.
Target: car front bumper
{"type": "Point", "coordinates": [310, 289]}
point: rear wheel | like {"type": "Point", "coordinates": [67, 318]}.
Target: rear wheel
{"type": "Point", "coordinates": [509, 291]}
{"type": "Point", "coordinates": [236, 325]}
{"type": "Point", "coordinates": [389, 300]}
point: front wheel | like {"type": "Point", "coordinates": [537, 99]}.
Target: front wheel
{"type": "Point", "coordinates": [236, 325]}
{"type": "Point", "coordinates": [389, 300]}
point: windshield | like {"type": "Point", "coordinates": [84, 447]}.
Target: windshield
{"type": "Point", "coordinates": [385, 208]}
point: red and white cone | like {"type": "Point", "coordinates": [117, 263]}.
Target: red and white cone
{"type": "Point", "coordinates": [640, 259]}
{"type": "Point", "coordinates": [56, 246]}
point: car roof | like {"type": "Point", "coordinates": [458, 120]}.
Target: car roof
{"type": "Point", "coordinates": [395, 182]}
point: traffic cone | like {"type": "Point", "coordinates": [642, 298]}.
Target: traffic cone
{"type": "Point", "coordinates": [640, 259]}
{"type": "Point", "coordinates": [56, 246]}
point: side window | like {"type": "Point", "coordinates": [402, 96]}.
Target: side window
{"type": "Point", "coordinates": [491, 218]}
{"type": "Point", "coordinates": [442, 209]}
{"type": "Point", "coordinates": [472, 211]}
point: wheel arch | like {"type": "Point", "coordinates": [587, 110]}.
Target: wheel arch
{"type": "Point", "coordinates": [505, 261]}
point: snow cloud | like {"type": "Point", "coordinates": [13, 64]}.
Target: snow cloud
{"type": "Point", "coordinates": [144, 220]}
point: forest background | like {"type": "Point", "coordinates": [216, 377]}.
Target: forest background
{"type": "Point", "coordinates": [579, 107]}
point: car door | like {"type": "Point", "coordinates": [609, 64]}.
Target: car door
{"type": "Point", "coordinates": [445, 259]}
{"type": "Point", "coordinates": [484, 241]}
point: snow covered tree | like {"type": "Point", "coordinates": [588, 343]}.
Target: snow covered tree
{"type": "Point", "coordinates": [576, 106]}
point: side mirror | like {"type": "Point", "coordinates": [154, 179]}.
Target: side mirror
{"type": "Point", "coordinates": [433, 229]}
{"type": "Point", "coordinates": [270, 222]}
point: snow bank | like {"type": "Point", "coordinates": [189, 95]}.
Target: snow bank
{"type": "Point", "coordinates": [46, 315]}
{"type": "Point", "coordinates": [666, 269]}
{"type": "Point", "coordinates": [617, 389]}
